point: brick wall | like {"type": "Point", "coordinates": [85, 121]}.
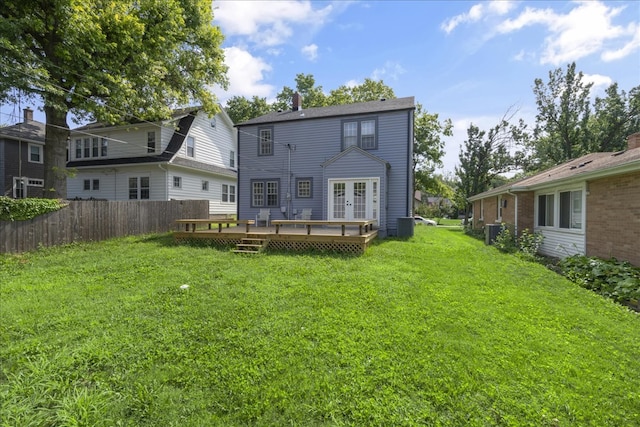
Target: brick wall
{"type": "Point", "coordinates": [613, 218]}
{"type": "Point", "coordinates": [526, 211]}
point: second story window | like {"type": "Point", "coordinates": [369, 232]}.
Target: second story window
{"type": "Point", "coordinates": [104, 146]}
{"type": "Point", "coordinates": [232, 159]}
{"type": "Point", "coordinates": [265, 142]}
{"type": "Point", "coordinates": [35, 153]}
{"type": "Point", "coordinates": [78, 148]}
{"type": "Point", "coordinates": [151, 142]}
{"type": "Point", "coordinates": [361, 133]}
{"type": "Point", "coordinates": [191, 146]}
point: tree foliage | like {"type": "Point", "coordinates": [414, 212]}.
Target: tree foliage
{"type": "Point", "coordinates": [428, 145]}
{"type": "Point", "coordinates": [615, 117]}
{"type": "Point", "coordinates": [561, 131]}
{"type": "Point", "coordinates": [107, 61]}
{"type": "Point", "coordinates": [485, 156]}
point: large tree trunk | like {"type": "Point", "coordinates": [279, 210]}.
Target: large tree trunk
{"type": "Point", "coordinates": [55, 154]}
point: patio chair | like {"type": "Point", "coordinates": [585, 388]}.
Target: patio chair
{"type": "Point", "coordinates": [263, 215]}
{"type": "Point", "coordinates": [305, 215]}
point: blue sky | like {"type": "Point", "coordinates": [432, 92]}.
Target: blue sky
{"type": "Point", "coordinates": [467, 61]}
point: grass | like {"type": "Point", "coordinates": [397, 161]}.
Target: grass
{"type": "Point", "coordinates": [435, 330]}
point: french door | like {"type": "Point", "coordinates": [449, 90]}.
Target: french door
{"type": "Point", "coordinates": [354, 199]}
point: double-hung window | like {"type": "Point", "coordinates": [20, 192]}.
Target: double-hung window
{"type": "Point", "coordinates": [232, 159]}
{"type": "Point", "coordinates": [571, 209]}
{"type": "Point", "coordinates": [265, 142]}
{"type": "Point", "coordinates": [265, 193]}
{"type": "Point", "coordinates": [361, 133]}
{"type": "Point", "coordinates": [78, 148]}
{"type": "Point", "coordinates": [139, 187]}
{"type": "Point", "coordinates": [191, 146]}
{"type": "Point", "coordinates": [151, 142]}
{"type": "Point", "coordinates": [35, 153]}
{"type": "Point", "coordinates": [103, 147]}
{"type": "Point", "coordinates": [228, 193]}
{"type": "Point", "coordinates": [545, 210]}
{"type": "Point", "coordinates": [87, 148]}
{"type": "Point", "coordinates": [95, 147]}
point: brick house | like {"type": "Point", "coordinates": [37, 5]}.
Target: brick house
{"type": "Point", "coordinates": [588, 206]}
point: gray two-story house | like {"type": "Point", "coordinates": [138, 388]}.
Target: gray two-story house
{"type": "Point", "coordinates": [344, 162]}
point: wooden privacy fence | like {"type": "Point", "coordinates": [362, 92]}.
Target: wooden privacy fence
{"type": "Point", "coordinates": [97, 220]}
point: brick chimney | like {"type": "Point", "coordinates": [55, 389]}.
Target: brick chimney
{"type": "Point", "coordinates": [28, 115]}
{"type": "Point", "coordinates": [297, 102]}
{"type": "Point", "coordinates": [633, 141]}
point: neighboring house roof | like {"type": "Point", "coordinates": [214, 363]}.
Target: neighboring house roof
{"type": "Point", "coordinates": [32, 131]}
{"type": "Point", "coordinates": [334, 111]}
{"type": "Point", "coordinates": [172, 148]}
{"type": "Point", "coordinates": [176, 115]}
{"type": "Point", "coordinates": [590, 166]}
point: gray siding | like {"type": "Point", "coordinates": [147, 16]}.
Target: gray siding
{"type": "Point", "coordinates": [318, 140]}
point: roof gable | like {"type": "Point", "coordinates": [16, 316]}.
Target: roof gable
{"type": "Point", "coordinates": [358, 151]}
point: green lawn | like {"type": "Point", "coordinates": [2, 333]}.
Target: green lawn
{"type": "Point", "coordinates": [436, 330]}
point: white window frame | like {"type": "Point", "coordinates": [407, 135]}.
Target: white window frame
{"type": "Point", "coordinates": [141, 191]}
{"type": "Point", "coordinates": [190, 148]}
{"type": "Point", "coordinates": [205, 185]}
{"type": "Point", "coordinates": [151, 141]}
{"type": "Point", "coordinates": [232, 159]}
{"type": "Point", "coordinates": [301, 191]}
{"type": "Point", "coordinates": [40, 153]}
{"type": "Point", "coordinates": [177, 181]}
{"type": "Point", "coordinates": [265, 141]}
{"type": "Point", "coordinates": [264, 198]}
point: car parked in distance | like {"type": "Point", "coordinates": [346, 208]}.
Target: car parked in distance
{"type": "Point", "coordinates": [420, 220]}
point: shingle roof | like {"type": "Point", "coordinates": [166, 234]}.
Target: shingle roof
{"type": "Point", "coordinates": [31, 130]}
{"type": "Point", "coordinates": [585, 167]}
{"type": "Point", "coordinates": [176, 114]}
{"type": "Point", "coordinates": [406, 103]}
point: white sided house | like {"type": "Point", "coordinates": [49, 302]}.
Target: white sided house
{"type": "Point", "coordinates": [188, 157]}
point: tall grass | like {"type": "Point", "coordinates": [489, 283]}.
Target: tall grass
{"type": "Point", "coordinates": [435, 330]}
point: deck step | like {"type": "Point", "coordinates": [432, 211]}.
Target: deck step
{"type": "Point", "coordinates": [250, 245]}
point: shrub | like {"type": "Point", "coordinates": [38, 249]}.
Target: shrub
{"type": "Point", "coordinates": [529, 243]}
{"type": "Point", "coordinates": [505, 241]}
{"type": "Point", "coordinates": [23, 209]}
{"type": "Point", "coordinates": [614, 279]}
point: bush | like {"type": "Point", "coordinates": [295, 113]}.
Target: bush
{"type": "Point", "coordinates": [505, 241]}
{"type": "Point", "coordinates": [614, 279]}
{"type": "Point", "coordinates": [23, 209]}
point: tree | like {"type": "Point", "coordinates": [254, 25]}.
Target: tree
{"type": "Point", "coordinates": [108, 61]}
{"type": "Point", "coordinates": [240, 109]}
{"type": "Point", "coordinates": [312, 95]}
{"type": "Point", "coordinates": [485, 156]}
{"type": "Point", "coordinates": [369, 90]}
{"type": "Point", "coordinates": [428, 147]}
{"type": "Point", "coordinates": [615, 117]}
{"type": "Point", "coordinates": [561, 131]}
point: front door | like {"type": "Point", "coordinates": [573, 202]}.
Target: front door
{"type": "Point", "coordinates": [353, 199]}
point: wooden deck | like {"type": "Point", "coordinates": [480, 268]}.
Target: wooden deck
{"type": "Point", "coordinates": [293, 236]}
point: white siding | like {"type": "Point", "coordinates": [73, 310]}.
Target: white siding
{"type": "Point", "coordinates": [561, 242]}
{"type": "Point", "coordinates": [114, 183]}
{"type": "Point", "coordinates": [212, 144]}
{"type": "Point", "coordinates": [191, 189]}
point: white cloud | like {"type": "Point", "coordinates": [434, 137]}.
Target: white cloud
{"type": "Point", "coordinates": [627, 49]}
{"type": "Point", "coordinates": [581, 32]}
{"type": "Point", "coordinates": [391, 69]}
{"type": "Point", "coordinates": [245, 74]}
{"type": "Point", "coordinates": [598, 80]}
{"type": "Point", "coordinates": [310, 52]}
{"type": "Point", "coordinates": [268, 23]}
{"type": "Point", "coordinates": [478, 12]}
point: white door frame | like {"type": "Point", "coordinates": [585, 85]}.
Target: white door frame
{"type": "Point", "coordinates": [349, 210]}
